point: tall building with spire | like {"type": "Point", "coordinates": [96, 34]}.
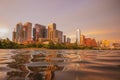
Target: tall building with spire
{"type": "Point", "coordinates": [78, 33]}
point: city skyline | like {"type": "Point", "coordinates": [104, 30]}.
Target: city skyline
{"type": "Point", "coordinates": [96, 18]}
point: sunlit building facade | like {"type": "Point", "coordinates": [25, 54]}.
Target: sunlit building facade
{"type": "Point", "coordinates": [105, 44]}
{"type": "Point", "coordinates": [82, 40]}
{"type": "Point", "coordinates": [28, 32]}
{"type": "Point", "coordinates": [39, 31]}
{"type": "Point", "coordinates": [53, 34]}
{"type": "Point", "coordinates": [78, 36]}
{"type": "Point", "coordinates": [22, 33]}
{"type": "Point", "coordinates": [87, 41]}
{"type": "Point", "coordinates": [90, 42]}
{"type": "Point", "coordinates": [19, 36]}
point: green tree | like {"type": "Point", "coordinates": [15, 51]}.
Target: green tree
{"type": "Point", "coordinates": [51, 45]}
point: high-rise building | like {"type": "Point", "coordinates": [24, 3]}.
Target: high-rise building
{"type": "Point", "coordinates": [28, 31]}
{"type": "Point", "coordinates": [64, 38]}
{"type": "Point", "coordinates": [68, 40]}
{"type": "Point", "coordinates": [52, 31]}
{"type": "Point", "coordinates": [23, 33]}
{"type": "Point", "coordinates": [34, 34]}
{"type": "Point", "coordinates": [82, 40]}
{"type": "Point", "coordinates": [19, 36]}
{"type": "Point", "coordinates": [53, 34]}
{"type": "Point", "coordinates": [39, 31]}
{"type": "Point", "coordinates": [59, 36]}
{"type": "Point", "coordinates": [78, 36]}
{"type": "Point", "coordinates": [14, 36]}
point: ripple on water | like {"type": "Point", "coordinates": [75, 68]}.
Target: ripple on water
{"type": "Point", "coordinates": [61, 64]}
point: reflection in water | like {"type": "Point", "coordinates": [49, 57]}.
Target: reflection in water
{"type": "Point", "coordinates": [59, 65]}
{"type": "Point", "coordinates": [24, 68]}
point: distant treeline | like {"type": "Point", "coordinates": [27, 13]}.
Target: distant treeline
{"type": "Point", "coordinates": [7, 44]}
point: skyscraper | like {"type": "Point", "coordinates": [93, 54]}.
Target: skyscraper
{"type": "Point", "coordinates": [68, 40]}
{"type": "Point", "coordinates": [53, 34]}
{"type": "Point", "coordinates": [14, 36]}
{"type": "Point", "coordinates": [34, 34]}
{"type": "Point", "coordinates": [28, 31]}
{"type": "Point", "coordinates": [78, 36]}
{"type": "Point", "coordinates": [19, 36]}
{"type": "Point", "coordinates": [64, 38]}
{"type": "Point", "coordinates": [59, 36]}
{"type": "Point", "coordinates": [39, 31]}
{"type": "Point", "coordinates": [52, 31]}
{"type": "Point", "coordinates": [82, 40]}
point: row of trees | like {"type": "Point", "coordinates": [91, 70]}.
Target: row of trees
{"type": "Point", "coordinates": [7, 44]}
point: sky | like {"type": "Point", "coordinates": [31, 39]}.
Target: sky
{"type": "Point", "coordinates": [99, 19]}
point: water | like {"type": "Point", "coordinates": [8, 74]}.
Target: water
{"type": "Point", "coordinates": [59, 64]}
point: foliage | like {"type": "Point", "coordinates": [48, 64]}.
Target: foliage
{"type": "Point", "coordinates": [7, 44]}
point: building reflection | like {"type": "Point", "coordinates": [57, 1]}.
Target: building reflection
{"type": "Point", "coordinates": [22, 71]}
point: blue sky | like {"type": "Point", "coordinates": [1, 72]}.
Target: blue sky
{"type": "Point", "coordinates": [98, 19]}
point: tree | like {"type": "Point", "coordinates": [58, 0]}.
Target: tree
{"type": "Point", "coordinates": [51, 45]}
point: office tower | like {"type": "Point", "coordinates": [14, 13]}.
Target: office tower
{"type": "Point", "coordinates": [64, 37]}
{"type": "Point", "coordinates": [59, 36]}
{"type": "Point", "coordinates": [28, 31]}
{"type": "Point", "coordinates": [52, 31]}
{"type": "Point", "coordinates": [14, 36]}
{"type": "Point", "coordinates": [82, 40]}
{"type": "Point", "coordinates": [78, 36]}
{"type": "Point", "coordinates": [24, 34]}
{"type": "Point", "coordinates": [68, 40]}
{"type": "Point", "coordinates": [34, 34]}
{"type": "Point", "coordinates": [39, 31]}
{"type": "Point", "coordinates": [19, 36]}
{"type": "Point", "coordinates": [53, 34]}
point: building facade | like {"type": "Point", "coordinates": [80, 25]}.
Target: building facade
{"type": "Point", "coordinates": [64, 39]}
{"type": "Point", "coordinates": [78, 36]}
{"type": "Point", "coordinates": [14, 36]}
{"type": "Point", "coordinates": [19, 36]}
{"type": "Point", "coordinates": [87, 41]}
{"type": "Point", "coordinates": [22, 33]}
{"type": "Point", "coordinates": [39, 31]}
{"type": "Point", "coordinates": [28, 32]}
{"type": "Point", "coordinates": [53, 34]}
